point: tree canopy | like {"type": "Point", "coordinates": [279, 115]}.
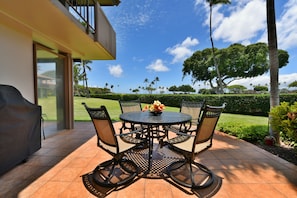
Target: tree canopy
{"type": "Point", "coordinates": [235, 62]}
{"type": "Point", "coordinates": [182, 88]}
{"type": "Point", "coordinates": [236, 88]}
{"type": "Point", "coordinates": [293, 84]}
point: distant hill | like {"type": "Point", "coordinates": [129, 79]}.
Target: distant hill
{"type": "Point", "coordinates": [51, 74]}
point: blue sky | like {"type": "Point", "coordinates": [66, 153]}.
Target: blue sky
{"type": "Point", "coordinates": [154, 37]}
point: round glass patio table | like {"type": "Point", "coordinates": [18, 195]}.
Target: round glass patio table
{"type": "Point", "coordinates": [152, 122]}
{"type": "Point", "coordinates": [148, 118]}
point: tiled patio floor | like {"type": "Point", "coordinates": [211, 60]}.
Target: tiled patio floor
{"type": "Point", "coordinates": [54, 171]}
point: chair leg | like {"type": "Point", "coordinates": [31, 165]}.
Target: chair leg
{"type": "Point", "coordinates": [114, 173]}
{"type": "Point", "coordinates": [190, 174]}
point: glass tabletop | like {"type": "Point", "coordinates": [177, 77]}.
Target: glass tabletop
{"type": "Point", "coordinates": [166, 118]}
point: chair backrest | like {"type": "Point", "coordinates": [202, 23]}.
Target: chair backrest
{"type": "Point", "coordinates": [193, 108]}
{"type": "Point", "coordinates": [129, 106]}
{"type": "Point", "coordinates": [104, 128]}
{"type": "Point", "coordinates": [207, 125]}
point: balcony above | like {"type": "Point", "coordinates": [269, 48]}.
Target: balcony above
{"type": "Point", "coordinates": [109, 2]}
{"type": "Point", "coordinates": [54, 25]}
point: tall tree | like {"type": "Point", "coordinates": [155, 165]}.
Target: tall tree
{"type": "Point", "coordinates": [211, 4]}
{"type": "Point", "coordinates": [85, 66]}
{"type": "Point", "coordinates": [273, 60]}
{"type": "Point", "coordinates": [156, 80]}
{"type": "Point", "coordinates": [76, 77]}
{"type": "Point", "coordinates": [80, 74]}
{"type": "Point", "coordinates": [235, 62]}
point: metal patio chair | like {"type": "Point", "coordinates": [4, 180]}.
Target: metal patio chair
{"type": "Point", "coordinates": [192, 108]}
{"type": "Point", "coordinates": [130, 106]}
{"type": "Point", "coordinates": [118, 171]}
{"type": "Point", "coordinates": [188, 172]}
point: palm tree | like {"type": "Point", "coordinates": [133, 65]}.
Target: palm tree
{"type": "Point", "coordinates": [76, 78]}
{"type": "Point", "coordinates": [146, 81]}
{"type": "Point", "coordinates": [211, 4]}
{"type": "Point", "coordinates": [80, 74]}
{"type": "Point", "coordinates": [156, 80]}
{"type": "Point", "coordinates": [273, 60]}
{"type": "Point", "coordinates": [85, 66]}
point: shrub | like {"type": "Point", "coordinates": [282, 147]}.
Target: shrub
{"type": "Point", "coordinates": [250, 133]}
{"type": "Point", "coordinates": [284, 120]}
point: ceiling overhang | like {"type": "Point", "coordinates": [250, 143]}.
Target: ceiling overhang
{"type": "Point", "coordinates": [52, 25]}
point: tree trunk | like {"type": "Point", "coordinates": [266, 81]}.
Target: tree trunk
{"type": "Point", "coordinates": [220, 84]}
{"type": "Point", "coordinates": [273, 61]}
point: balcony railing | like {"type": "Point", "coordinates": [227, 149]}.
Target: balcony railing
{"type": "Point", "coordinates": [84, 11]}
{"type": "Point", "coordinates": [91, 16]}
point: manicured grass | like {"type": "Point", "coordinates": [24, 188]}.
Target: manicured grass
{"type": "Point", "coordinates": [80, 114]}
{"type": "Point", "coordinates": [246, 119]}
{"type": "Point", "coordinates": [113, 107]}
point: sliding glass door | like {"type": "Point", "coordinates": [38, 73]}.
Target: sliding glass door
{"type": "Point", "coordinates": [51, 87]}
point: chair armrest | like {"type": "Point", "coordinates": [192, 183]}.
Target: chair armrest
{"type": "Point", "coordinates": [128, 133]}
{"type": "Point", "coordinates": [126, 137]}
{"type": "Point", "coordinates": [178, 132]}
{"type": "Point", "coordinates": [184, 134]}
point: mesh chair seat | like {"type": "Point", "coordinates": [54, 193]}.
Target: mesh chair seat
{"type": "Point", "coordinates": [188, 172]}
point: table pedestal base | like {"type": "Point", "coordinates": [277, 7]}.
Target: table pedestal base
{"type": "Point", "coordinates": [161, 159]}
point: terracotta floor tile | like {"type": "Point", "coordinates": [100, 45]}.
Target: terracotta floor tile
{"type": "Point", "coordinates": [75, 190]}
{"type": "Point", "coordinates": [273, 176]}
{"type": "Point", "coordinates": [130, 192]}
{"type": "Point", "coordinates": [238, 190]}
{"type": "Point", "coordinates": [27, 192]}
{"type": "Point", "coordinates": [157, 188]}
{"type": "Point", "coordinates": [51, 189]}
{"type": "Point", "coordinates": [231, 164]}
{"type": "Point", "coordinates": [212, 163]}
{"type": "Point", "coordinates": [67, 174]}
{"type": "Point", "coordinates": [286, 189]}
{"type": "Point", "coordinates": [266, 190]}
{"type": "Point", "coordinates": [248, 176]}
{"type": "Point", "coordinates": [56, 169]}
{"type": "Point", "coordinates": [229, 176]}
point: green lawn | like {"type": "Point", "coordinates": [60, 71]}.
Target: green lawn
{"type": "Point", "coordinates": [244, 119]}
{"type": "Point", "coordinates": [113, 107]}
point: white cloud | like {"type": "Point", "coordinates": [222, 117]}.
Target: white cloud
{"type": "Point", "coordinates": [130, 15]}
{"type": "Point", "coordinates": [137, 59]}
{"type": "Point", "coordinates": [142, 14]}
{"type": "Point", "coordinates": [182, 50]}
{"type": "Point", "coordinates": [115, 70]}
{"type": "Point", "coordinates": [284, 80]}
{"type": "Point", "coordinates": [287, 26]}
{"type": "Point", "coordinates": [244, 22]}
{"type": "Point", "coordinates": [158, 66]}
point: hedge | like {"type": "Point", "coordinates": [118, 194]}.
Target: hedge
{"type": "Point", "coordinates": [252, 104]}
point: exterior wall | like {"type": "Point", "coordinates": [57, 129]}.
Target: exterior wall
{"type": "Point", "coordinates": [16, 61]}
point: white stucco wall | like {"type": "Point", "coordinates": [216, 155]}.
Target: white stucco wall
{"type": "Point", "coordinates": [16, 61]}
